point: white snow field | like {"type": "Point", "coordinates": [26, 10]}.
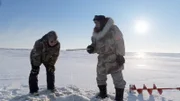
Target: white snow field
{"type": "Point", "coordinates": [76, 76]}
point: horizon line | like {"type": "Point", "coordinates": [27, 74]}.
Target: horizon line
{"type": "Point", "coordinates": [80, 49]}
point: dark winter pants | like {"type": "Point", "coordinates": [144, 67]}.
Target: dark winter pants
{"type": "Point", "coordinates": [33, 78]}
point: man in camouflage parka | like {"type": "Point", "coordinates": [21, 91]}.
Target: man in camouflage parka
{"type": "Point", "coordinates": [46, 52]}
{"type": "Point", "coordinates": [108, 43]}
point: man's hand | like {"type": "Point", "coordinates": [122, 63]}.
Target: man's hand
{"type": "Point", "coordinates": [90, 49]}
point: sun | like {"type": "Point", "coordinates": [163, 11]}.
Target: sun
{"type": "Point", "coordinates": [141, 26]}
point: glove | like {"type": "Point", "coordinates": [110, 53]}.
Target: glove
{"type": "Point", "coordinates": [120, 60]}
{"type": "Point", "coordinates": [90, 49]}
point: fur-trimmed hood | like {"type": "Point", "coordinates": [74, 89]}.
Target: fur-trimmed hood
{"type": "Point", "coordinates": [101, 34]}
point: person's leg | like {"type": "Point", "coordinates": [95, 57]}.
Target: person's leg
{"type": "Point", "coordinates": [33, 79]}
{"type": "Point", "coordinates": [119, 84]}
{"type": "Point", "coordinates": [101, 82]}
{"type": "Point", "coordinates": [50, 77]}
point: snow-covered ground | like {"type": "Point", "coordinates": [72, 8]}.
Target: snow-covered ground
{"type": "Point", "coordinates": [76, 76]}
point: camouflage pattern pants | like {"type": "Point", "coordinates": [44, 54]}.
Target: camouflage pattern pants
{"type": "Point", "coordinates": [117, 77]}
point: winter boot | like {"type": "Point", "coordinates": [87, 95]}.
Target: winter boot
{"type": "Point", "coordinates": [103, 91]}
{"type": "Point", "coordinates": [119, 94]}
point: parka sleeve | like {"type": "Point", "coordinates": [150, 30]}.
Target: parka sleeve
{"type": "Point", "coordinates": [55, 55]}
{"type": "Point", "coordinates": [36, 53]}
{"type": "Point", "coordinates": [119, 41]}
{"type": "Point", "coordinates": [38, 48]}
{"type": "Point", "coordinates": [93, 43]}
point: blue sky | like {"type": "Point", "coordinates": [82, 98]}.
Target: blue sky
{"type": "Point", "coordinates": [24, 21]}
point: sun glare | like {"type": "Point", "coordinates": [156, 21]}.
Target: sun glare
{"type": "Point", "coordinates": [140, 55]}
{"type": "Point", "coordinates": [141, 26]}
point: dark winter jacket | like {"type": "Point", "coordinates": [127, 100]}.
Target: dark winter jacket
{"type": "Point", "coordinates": [43, 53]}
